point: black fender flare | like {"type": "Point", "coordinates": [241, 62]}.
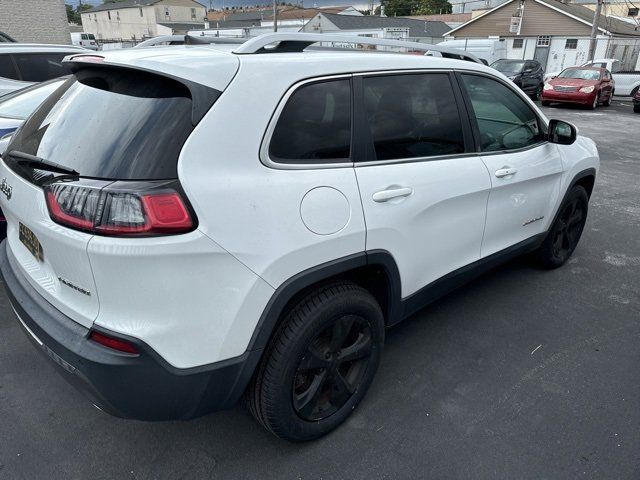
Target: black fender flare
{"type": "Point", "coordinates": [289, 288]}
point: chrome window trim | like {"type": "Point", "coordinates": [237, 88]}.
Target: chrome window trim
{"type": "Point", "coordinates": [266, 139]}
{"type": "Point", "coordinates": [267, 161]}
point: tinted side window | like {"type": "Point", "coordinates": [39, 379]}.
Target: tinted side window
{"type": "Point", "coordinates": [7, 70]}
{"type": "Point", "coordinates": [504, 119]}
{"type": "Point", "coordinates": [412, 116]}
{"type": "Point", "coordinates": [315, 124]}
{"type": "Point", "coordinates": [39, 67]}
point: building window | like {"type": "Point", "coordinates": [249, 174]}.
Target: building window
{"type": "Point", "coordinates": [193, 14]}
{"type": "Point", "coordinates": [118, 15]}
{"type": "Point", "coordinates": [166, 11]}
{"type": "Point", "coordinates": [633, 12]}
{"type": "Point", "coordinates": [518, 42]}
{"type": "Point", "coordinates": [95, 17]}
{"type": "Point", "coordinates": [109, 14]}
{"type": "Point", "coordinates": [572, 44]}
{"type": "Point", "coordinates": [544, 40]}
{"type": "Point", "coordinates": [141, 14]}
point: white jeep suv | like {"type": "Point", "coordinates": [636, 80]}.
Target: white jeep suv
{"type": "Point", "coordinates": [247, 219]}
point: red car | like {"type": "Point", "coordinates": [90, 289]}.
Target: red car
{"type": "Point", "coordinates": [582, 85]}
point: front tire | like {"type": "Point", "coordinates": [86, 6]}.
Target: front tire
{"type": "Point", "coordinates": [319, 363]}
{"type": "Point", "coordinates": [609, 100]}
{"type": "Point", "coordinates": [537, 93]}
{"type": "Point", "coordinates": [564, 234]}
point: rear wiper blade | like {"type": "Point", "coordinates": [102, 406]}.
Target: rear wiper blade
{"type": "Point", "coordinates": [41, 163]}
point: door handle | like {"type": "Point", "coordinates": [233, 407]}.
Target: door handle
{"type": "Point", "coordinates": [505, 172]}
{"type": "Point", "coordinates": [391, 193]}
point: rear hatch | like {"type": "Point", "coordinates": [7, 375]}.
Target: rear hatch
{"type": "Point", "coordinates": [83, 164]}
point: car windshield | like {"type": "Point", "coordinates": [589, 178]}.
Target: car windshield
{"type": "Point", "coordinates": [22, 103]}
{"type": "Point", "coordinates": [580, 73]}
{"type": "Point", "coordinates": [508, 66]}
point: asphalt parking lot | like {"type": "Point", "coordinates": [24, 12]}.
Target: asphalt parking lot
{"type": "Point", "coordinates": [521, 374]}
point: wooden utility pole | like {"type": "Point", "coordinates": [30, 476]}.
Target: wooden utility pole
{"type": "Point", "coordinates": [594, 31]}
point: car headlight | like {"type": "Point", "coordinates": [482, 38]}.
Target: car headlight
{"type": "Point", "coordinates": [548, 86]}
{"type": "Point", "coordinates": [587, 89]}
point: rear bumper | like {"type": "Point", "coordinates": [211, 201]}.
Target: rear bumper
{"type": "Point", "coordinates": [569, 97]}
{"type": "Point", "coordinates": [141, 386]}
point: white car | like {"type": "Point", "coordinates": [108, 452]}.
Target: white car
{"type": "Point", "coordinates": [23, 64]}
{"type": "Point", "coordinates": [252, 217]}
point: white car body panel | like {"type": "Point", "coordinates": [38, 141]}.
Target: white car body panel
{"type": "Point", "coordinates": [436, 229]}
{"type": "Point", "coordinates": [64, 251]}
{"type": "Point", "coordinates": [199, 307]}
{"type": "Point", "coordinates": [520, 205]}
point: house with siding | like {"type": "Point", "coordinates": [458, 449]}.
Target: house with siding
{"type": "Point", "coordinates": [139, 19]}
{"type": "Point", "coordinates": [555, 33]}
{"type": "Point", "coordinates": [378, 27]}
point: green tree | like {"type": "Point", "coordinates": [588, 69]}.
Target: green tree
{"type": "Point", "coordinates": [404, 8]}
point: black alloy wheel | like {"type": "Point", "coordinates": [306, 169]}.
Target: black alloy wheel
{"type": "Point", "coordinates": [332, 368]}
{"type": "Point", "coordinates": [565, 233]}
{"type": "Point", "coordinates": [569, 229]}
{"type": "Point", "coordinates": [320, 362]}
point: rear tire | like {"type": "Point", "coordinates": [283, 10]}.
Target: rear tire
{"type": "Point", "coordinates": [564, 234]}
{"type": "Point", "coordinates": [545, 103]}
{"type": "Point", "coordinates": [636, 108]}
{"type": "Point", "coordinates": [319, 364]}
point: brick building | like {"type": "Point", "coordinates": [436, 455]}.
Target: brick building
{"type": "Point", "coordinates": [35, 21]}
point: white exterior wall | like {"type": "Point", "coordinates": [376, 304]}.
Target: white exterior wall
{"type": "Point", "coordinates": [130, 24]}
{"type": "Point", "coordinates": [524, 53]}
{"type": "Point", "coordinates": [561, 58]}
{"type": "Point", "coordinates": [136, 22]}
{"type": "Point", "coordinates": [178, 13]}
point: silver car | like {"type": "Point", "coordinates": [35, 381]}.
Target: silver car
{"type": "Point", "coordinates": [22, 64]}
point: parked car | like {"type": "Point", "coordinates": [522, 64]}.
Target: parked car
{"type": "Point", "coordinates": [587, 86]}
{"type": "Point", "coordinates": [85, 40]}
{"type": "Point", "coordinates": [169, 281]}
{"type": "Point", "coordinates": [14, 109]}
{"type": "Point", "coordinates": [4, 38]}
{"type": "Point", "coordinates": [627, 82]}
{"type": "Point", "coordinates": [22, 64]}
{"type": "Point", "coordinates": [636, 102]}
{"type": "Point", "coordinates": [526, 74]}
{"type": "Point", "coordinates": [16, 106]}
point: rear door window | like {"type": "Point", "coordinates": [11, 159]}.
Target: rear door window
{"type": "Point", "coordinates": [38, 67]}
{"type": "Point", "coordinates": [315, 125]}
{"type": "Point", "coordinates": [7, 68]}
{"type": "Point", "coordinates": [111, 124]}
{"type": "Point", "coordinates": [413, 116]}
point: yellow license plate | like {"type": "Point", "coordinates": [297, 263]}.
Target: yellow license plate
{"type": "Point", "coordinates": [29, 240]}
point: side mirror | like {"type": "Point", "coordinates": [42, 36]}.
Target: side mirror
{"type": "Point", "coordinates": [561, 132]}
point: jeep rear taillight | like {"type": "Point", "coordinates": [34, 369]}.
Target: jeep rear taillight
{"type": "Point", "coordinates": [119, 208]}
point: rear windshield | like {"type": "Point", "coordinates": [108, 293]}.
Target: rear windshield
{"type": "Point", "coordinates": [111, 124]}
{"type": "Point", "coordinates": [508, 66]}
